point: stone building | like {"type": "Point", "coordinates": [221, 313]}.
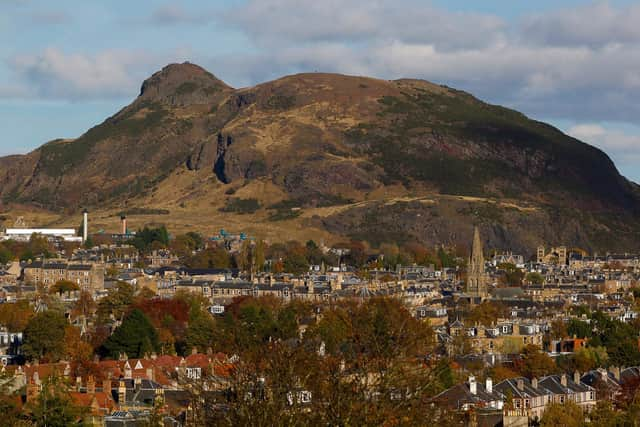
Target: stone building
{"type": "Point", "coordinates": [88, 276]}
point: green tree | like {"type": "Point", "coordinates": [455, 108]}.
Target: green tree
{"type": "Point", "coordinates": [146, 237]}
{"type": "Point", "coordinates": [200, 332]}
{"type": "Point", "coordinates": [135, 337]}
{"type": "Point", "coordinates": [44, 336]}
{"type": "Point", "coordinates": [6, 255]}
{"type": "Point", "coordinates": [534, 278]}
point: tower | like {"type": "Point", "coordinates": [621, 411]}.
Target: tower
{"type": "Point", "coordinates": [476, 276]}
{"type": "Point", "coordinates": [85, 225]}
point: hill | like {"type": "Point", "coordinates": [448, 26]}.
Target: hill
{"type": "Point", "coordinates": [332, 156]}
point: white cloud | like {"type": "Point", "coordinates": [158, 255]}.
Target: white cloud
{"type": "Point", "coordinates": [596, 24]}
{"type": "Point", "coordinates": [56, 74]}
{"type": "Point", "coordinates": [542, 69]}
{"type": "Point", "coordinates": [273, 22]}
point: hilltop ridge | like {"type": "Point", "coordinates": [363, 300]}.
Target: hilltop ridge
{"type": "Point", "coordinates": [354, 157]}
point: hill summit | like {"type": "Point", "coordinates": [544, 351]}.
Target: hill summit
{"type": "Point", "coordinates": [342, 156]}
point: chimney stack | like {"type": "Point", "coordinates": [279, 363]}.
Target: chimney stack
{"type": "Point", "coordinates": [520, 384]}
{"type": "Point", "coordinates": [91, 385]}
{"type": "Point", "coordinates": [122, 393]}
{"type": "Point", "coordinates": [576, 377]}
{"type": "Point", "coordinates": [106, 386]}
{"type": "Point", "coordinates": [489, 385]}
{"type": "Point", "coordinates": [473, 386]}
{"type": "Point", "coordinates": [563, 380]}
{"type": "Point", "coordinates": [85, 225]}
{"type": "Point", "coordinates": [534, 383]}
{"type": "Point", "coordinates": [123, 222]}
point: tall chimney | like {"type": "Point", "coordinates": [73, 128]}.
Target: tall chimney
{"type": "Point", "coordinates": [576, 377]}
{"type": "Point", "coordinates": [563, 380]}
{"type": "Point", "coordinates": [91, 385]}
{"type": "Point", "coordinates": [520, 384]}
{"type": "Point", "coordinates": [534, 383]}
{"type": "Point", "coordinates": [123, 222]}
{"type": "Point", "coordinates": [85, 225]}
{"type": "Point", "coordinates": [489, 385]}
{"type": "Point", "coordinates": [122, 393]}
{"type": "Point", "coordinates": [473, 386]}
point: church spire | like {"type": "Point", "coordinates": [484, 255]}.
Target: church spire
{"type": "Point", "coordinates": [476, 277]}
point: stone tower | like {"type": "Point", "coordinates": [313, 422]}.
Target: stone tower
{"type": "Point", "coordinates": [476, 276]}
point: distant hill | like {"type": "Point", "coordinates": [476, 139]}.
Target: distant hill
{"type": "Point", "coordinates": [343, 156]}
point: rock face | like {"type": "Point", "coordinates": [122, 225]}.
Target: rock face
{"type": "Point", "coordinates": [325, 140]}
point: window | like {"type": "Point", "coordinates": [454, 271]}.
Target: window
{"type": "Point", "coordinates": [193, 373]}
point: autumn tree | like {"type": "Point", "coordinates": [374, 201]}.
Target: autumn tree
{"type": "Point", "coordinates": [116, 303]}
{"type": "Point", "coordinates": [63, 286]}
{"type": "Point", "coordinates": [536, 363]}
{"type": "Point", "coordinates": [54, 407]}
{"type": "Point", "coordinates": [567, 414]}
{"type": "Point", "coordinates": [75, 348]}
{"type": "Point", "coordinates": [16, 316]}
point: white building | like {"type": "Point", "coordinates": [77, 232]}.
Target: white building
{"type": "Point", "coordinates": [24, 234]}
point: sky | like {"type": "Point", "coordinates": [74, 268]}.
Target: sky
{"type": "Point", "coordinates": [67, 65]}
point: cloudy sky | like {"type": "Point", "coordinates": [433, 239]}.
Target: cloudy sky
{"type": "Point", "coordinates": [67, 65]}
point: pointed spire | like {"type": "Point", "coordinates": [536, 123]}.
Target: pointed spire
{"type": "Point", "coordinates": [476, 250]}
{"type": "Point", "coordinates": [476, 279]}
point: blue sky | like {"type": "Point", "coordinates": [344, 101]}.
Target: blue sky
{"type": "Point", "coordinates": [67, 65]}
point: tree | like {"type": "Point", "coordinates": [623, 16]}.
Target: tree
{"type": "Point", "coordinates": [536, 363]}
{"type": "Point", "coordinates": [200, 332]}
{"type": "Point", "coordinates": [16, 316]}
{"type": "Point", "coordinates": [54, 407]}
{"type": "Point", "coordinates": [603, 415]}
{"type": "Point", "coordinates": [6, 255]}
{"type": "Point", "coordinates": [562, 415]}
{"type": "Point", "coordinates": [534, 278]}
{"type": "Point", "coordinates": [558, 329]}
{"type": "Point", "coordinates": [216, 257]}
{"type": "Point", "coordinates": [63, 286]}
{"type": "Point", "coordinates": [75, 348]}
{"type": "Point", "coordinates": [44, 336]}
{"type": "Point", "coordinates": [146, 237]}
{"type": "Point", "coordinates": [116, 303]}
{"type": "Point", "coordinates": [511, 276]}
{"type": "Point", "coordinates": [136, 336]}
